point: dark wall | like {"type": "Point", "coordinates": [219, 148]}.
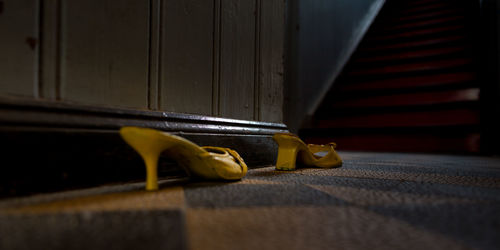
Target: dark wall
{"type": "Point", "coordinates": [322, 36]}
{"type": "Point", "coordinates": [490, 69]}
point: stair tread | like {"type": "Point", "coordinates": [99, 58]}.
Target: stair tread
{"type": "Point", "coordinates": [428, 118]}
{"type": "Point", "coordinates": [412, 67]}
{"type": "Point", "coordinates": [419, 53]}
{"type": "Point", "coordinates": [434, 21]}
{"type": "Point", "coordinates": [429, 14]}
{"type": "Point", "coordinates": [411, 82]}
{"type": "Point", "coordinates": [411, 142]}
{"type": "Point", "coordinates": [427, 7]}
{"type": "Point", "coordinates": [416, 33]}
{"type": "Point", "coordinates": [415, 43]}
{"type": "Point", "coordinates": [414, 3]}
{"type": "Point", "coordinates": [425, 98]}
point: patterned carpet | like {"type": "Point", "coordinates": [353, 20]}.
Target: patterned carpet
{"type": "Point", "coordinates": [374, 201]}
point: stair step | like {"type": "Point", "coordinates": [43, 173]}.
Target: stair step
{"type": "Point", "coordinates": [410, 82]}
{"type": "Point", "coordinates": [426, 15]}
{"type": "Point", "coordinates": [422, 53]}
{"type": "Point", "coordinates": [424, 8]}
{"type": "Point", "coordinates": [456, 117]}
{"type": "Point", "coordinates": [412, 67]}
{"type": "Point", "coordinates": [441, 41]}
{"type": "Point", "coordinates": [409, 99]}
{"type": "Point", "coordinates": [422, 2]}
{"type": "Point", "coordinates": [411, 142]}
{"type": "Point", "coordinates": [418, 33]}
{"type": "Point", "coordinates": [421, 24]}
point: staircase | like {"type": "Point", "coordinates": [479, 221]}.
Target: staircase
{"type": "Point", "coordinates": [410, 86]}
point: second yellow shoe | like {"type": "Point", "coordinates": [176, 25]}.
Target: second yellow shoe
{"type": "Point", "coordinates": [292, 149]}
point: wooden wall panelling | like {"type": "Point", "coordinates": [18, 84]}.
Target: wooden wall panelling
{"type": "Point", "coordinates": [237, 62]}
{"type": "Point", "coordinates": [154, 53]}
{"type": "Point", "coordinates": [272, 34]}
{"type": "Point", "coordinates": [216, 59]}
{"type": "Point", "coordinates": [19, 44]}
{"type": "Point", "coordinates": [104, 53]}
{"type": "Point", "coordinates": [187, 56]}
{"type": "Point", "coordinates": [256, 85]}
{"type": "Point", "coordinates": [50, 50]}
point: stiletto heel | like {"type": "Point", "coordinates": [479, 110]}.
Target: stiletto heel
{"type": "Point", "coordinates": [290, 146]}
{"type": "Point", "coordinates": [213, 163]}
{"type": "Point", "coordinates": [151, 162]}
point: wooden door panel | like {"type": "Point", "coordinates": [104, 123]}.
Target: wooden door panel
{"type": "Point", "coordinates": [272, 35]}
{"type": "Point", "coordinates": [186, 63]}
{"type": "Point", "coordinates": [19, 47]}
{"type": "Point", "coordinates": [237, 58]}
{"type": "Point", "coordinates": [105, 48]}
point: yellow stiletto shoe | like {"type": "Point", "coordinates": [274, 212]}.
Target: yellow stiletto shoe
{"type": "Point", "coordinates": [291, 148]}
{"type": "Point", "coordinates": [212, 163]}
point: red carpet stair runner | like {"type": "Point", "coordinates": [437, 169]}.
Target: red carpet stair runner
{"type": "Point", "coordinates": [411, 85]}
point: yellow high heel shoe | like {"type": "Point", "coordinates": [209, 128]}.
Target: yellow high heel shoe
{"type": "Point", "coordinates": [212, 163]}
{"type": "Point", "coordinates": [291, 147]}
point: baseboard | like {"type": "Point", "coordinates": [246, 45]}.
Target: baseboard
{"type": "Point", "coordinates": [49, 146]}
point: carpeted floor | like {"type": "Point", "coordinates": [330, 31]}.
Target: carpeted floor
{"type": "Point", "coordinates": [374, 201]}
